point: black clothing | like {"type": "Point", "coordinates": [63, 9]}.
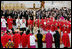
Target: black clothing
{"type": "Point", "coordinates": [31, 17]}
{"type": "Point", "coordinates": [57, 39]}
{"type": "Point", "coordinates": [22, 29]}
{"type": "Point", "coordinates": [39, 41]}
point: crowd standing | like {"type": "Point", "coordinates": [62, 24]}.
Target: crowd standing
{"type": "Point", "coordinates": [55, 23]}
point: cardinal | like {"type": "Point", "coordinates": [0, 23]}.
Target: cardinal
{"type": "Point", "coordinates": [52, 26]}
{"type": "Point", "coordinates": [16, 39]}
{"type": "Point", "coordinates": [4, 39]}
{"type": "Point", "coordinates": [10, 22]}
{"type": "Point", "coordinates": [23, 40]}
{"type": "Point", "coordinates": [30, 22]}
{"type": "Point", "coordinates": [48, 25]}
{"type": "Point", "coordinates": [65, 39]}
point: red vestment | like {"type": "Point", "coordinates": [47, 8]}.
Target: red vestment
{"type": "Point", "coordinates": [16, 39]}
{"type": "Point", "coordinates": [41, 23]}
{"type": "Point", "coordinates": [28, 40]}
{"type": "Point", "coordinates": [65, 39]}
{"type": "Point", "coordinates": [52, 26]}
{"type": "Point", "coordinates": [45, 25]}
{"type": "Point", "coordinates": [23, 40]}
{"type": "Point", "coordinates": [4, 40]}
{"type": "Point", "coordinates": [10, 22]}
{"type": "Point", "coordinates": [68, 28]}
{"type": "Point", "coordinates": [30, 22]}
{"type": "Point", "coordinates": [48, 25]}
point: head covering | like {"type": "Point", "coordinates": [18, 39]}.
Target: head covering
{"type": "Point", "coordinates": [28, 31]}
{"type": "Point", "coordinates": [38, 31]}
{"type": "Point", "coordinates": [57, 32]}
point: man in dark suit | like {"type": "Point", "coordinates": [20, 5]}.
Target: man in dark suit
{"type": "Point", "coordinates": [39, 41]}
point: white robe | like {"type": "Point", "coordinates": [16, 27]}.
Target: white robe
{"type": "Point", "coordinates": [32, 40]}
{"type": "Point", "coordinates": [3, 22]}
{"type": "Point", "coordinates": [22, 24]}
{"type": "Point", "coordinates": [70, 38]}
{"type": "Point", "coordinates": [17, 23]}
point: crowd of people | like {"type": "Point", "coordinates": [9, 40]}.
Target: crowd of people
{"type": "Point", "coordinates": [55, 23]}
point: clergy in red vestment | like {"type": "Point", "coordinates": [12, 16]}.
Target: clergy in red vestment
{"type": "Point", "coordinates": [30, 22]}
{"type": "Point", "coordinates": [68, 28]}
{"type": "Point", "coordinates": [19, 40]}
{"type": "Point", "coordinates": [52, 26]}
{"type": "Point", "coordinates": [64, 28]}
{"type": "Point", "coordinates": [28, 38]}
{"type": "Point", "coordinates": [65, 39]}
{"type": "Point", "coordinates": [10, 36]}
{"type": "Point", "coordinates": [4, 39]}
{"type": "Point", "coordinates": [48, 25]}
{"type": "Point", "coordinates": [45, 25]}
{"type": "Point", "coordinates": [23, 40]}
{"type": "Point", "coordinates": [41, 23]}
{"type": "Point", "coordinates": [16, 39]}
{"type": "Point", "coordinates": [10, 22]}
{"type": "Point", "coordinates": [56, 25]}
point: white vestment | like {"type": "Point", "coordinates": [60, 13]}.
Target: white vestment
{"type": "Point", "coordinates": [3, 22]}
{"type": "Point", "coordinates": [22, 24]}
{"type": "Point", "coordinates": [17, 23]}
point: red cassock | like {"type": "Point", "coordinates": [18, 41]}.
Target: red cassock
{"type": "Point", "coordinates": [16, 39]}
{"type": "Point", "coordinates": [30, 22]}
{"type": "Point", "coordinates": [25, 40]}
{"type": "Point", "coordinates": [68, 28]}
{"type": "Point", "coordinates": [56, 25]}
{"type": "Point", "coordinates": [52, 26]}
{"type": "Point", "coordinates": [28, 40]}
{"type": "Point", "coordinates": [48, 25]}
{"type": "Point", "coordinates": [64, 29]}
{"type": "Point", "coordinates": [60, 24]}
{"type": "Point", "coordinates": [44, 26]}
{"type": "Point", "coordinates": [41, 23]}
{"type": "Point", "coordinates": [4, 40]}
{"type": "Point", "coordinates": [10, 22]}
{"type": "Point", "coordinates": [65, 39]}
{"type": "Point", "coordinates": [10, 37]}
{"type": "Point", "coordinates": [19, 39]}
